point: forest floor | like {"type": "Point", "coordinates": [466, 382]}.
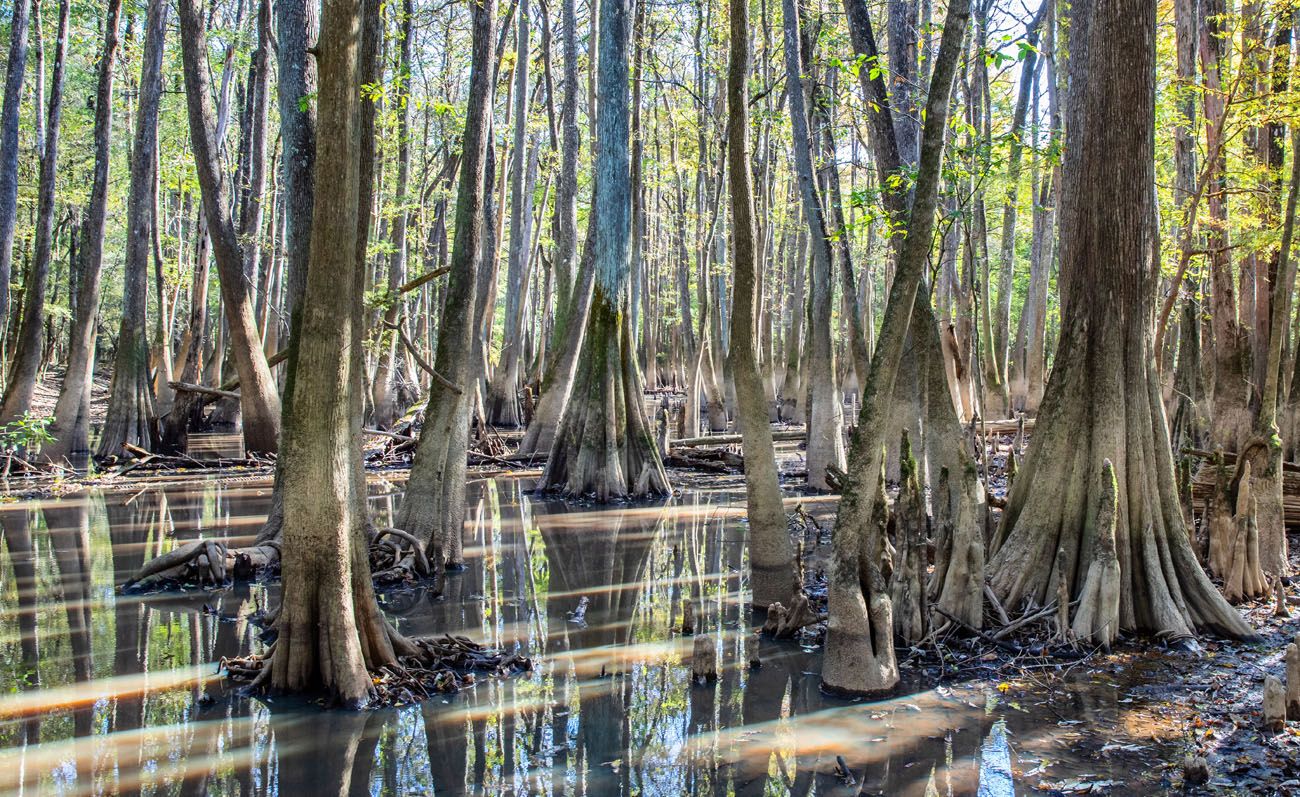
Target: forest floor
{"type": "Point", "coordinates": [47, 394]}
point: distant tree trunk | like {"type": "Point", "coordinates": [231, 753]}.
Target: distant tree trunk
{"type": "Point", "coordinates": [187, 408]}
{"type": "Point", "coordinates": [331, 632]}
{"type": "Point", "coordinates": [503, 389]}
{"type": "Point", "coordinates": [1103, 404]}
{"type": "Point", "coordinates": [15, 70]}
{"type": "Point", "coordinates": [604, 446]}
{"type": "Point", "coordinates": [825, 418]}
{"type": "Point", "coordinates": [295, 33]}
{"type": "Point", "coordinates": [26, 364]}
{"type": "Point", "coordinates": [72, 410]}
{"type": "Point", "coordinates": [258, 398]}
{"type": "Point", "coordinates": [385, 387]}
{"type": "Point", "coordinates": [791, 390]}
{"type": "Point", "coordinates": [130, 401]}
{"type": "Point", "coordinates": [773, 574]}
{"type": "Point", "coordinates": [566, 192]}
{"type": "Point", "coordinates": [1010, 210]}
{"type": "Point", "coordinates": [1231, 418]}
{"type": "Point", "coordinates": [558, 383]}
{"type": "Point", "coordinates": [434, 507]}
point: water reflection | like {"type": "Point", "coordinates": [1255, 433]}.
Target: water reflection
{"type": "Point", "coordinates": [111, 693]}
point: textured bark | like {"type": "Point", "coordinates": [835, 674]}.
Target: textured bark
{"type": "Point", "coordinates": [330, 629]}
{"type": "Point", "coordinates": [907, 588]}
{"type": "Point", "coordinates": [26, 364]}
{"type": "Point", "coordinates": [259, 399]}
{"type": "Point", "coordinates": [15, 70]}
{"type": "Point", "coordinates": [1103, 400]}
{"type": "Point", "coordinates": [773, 572]}
{"type": "Point", "coordinates": [72, 410]}
{"type": "Point", "coordinates": [296, 83]}
{"type": "Point", "coordinates": [130, 401]}
{"type": "Point", "coordinates": [434, 506]}
{"type": "Point", "coordinates": [825, 416]}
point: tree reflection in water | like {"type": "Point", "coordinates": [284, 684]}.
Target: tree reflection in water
{"type": "Point", "coordinates": [117, 693]}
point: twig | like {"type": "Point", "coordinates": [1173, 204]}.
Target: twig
{"type": "Point", "coordinates": [420, 361]}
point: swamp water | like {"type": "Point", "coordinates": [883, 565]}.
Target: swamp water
{"type": "Point", "coordinates": [106, 693]}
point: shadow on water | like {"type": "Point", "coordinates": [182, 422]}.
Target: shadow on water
{"type": "Point", "coordinates": [101, 692]}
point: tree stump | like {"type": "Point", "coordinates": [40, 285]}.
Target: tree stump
{"type": "Point", "coordinates": [688, 616]}
{"type": "Point", "coordinates": [704, 659]}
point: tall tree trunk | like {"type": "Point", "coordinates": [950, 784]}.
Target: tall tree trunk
{"type": "Point", "coordinates": [1095, 504]}
{"type": "Point", "coordinates": [258, 399]}
{"type": "Point", "coordinates": [130, 401]}
{"type": "Point", "coordinates": [15, 70]}
{"type": "Point", "coordinates": [72, 410]}
{"type": "Point", "coordinates": [27, 355]}
{"type": "Point", "coordinates": [384, 390]}
{"type": "Point", "coordinates": [859, 639]}
{"type": "Point", "coordinates": [604, 446]}
{"type": "Point", "coordinates": [773, 574]}
{"type": "Point", "coordinates": [1010, 210]}
{"type": "Point", "coordinates": [434, 507]}
{"type": "Point", "coordinates": [825, 419]}
{"type": "Point", "coordinates": [330, 628]}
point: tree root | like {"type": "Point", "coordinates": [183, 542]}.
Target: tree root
{"type": "Point", "coordinates": [205, 564]}
{"type": "Point", "coordinates": [783, 623]}
{"type": "Point", "coordinates": [426, 667]}
{"type": "Point", "coordinates": [1097, 618]}
{"type": "Point", "coordinates": [1243, 577]}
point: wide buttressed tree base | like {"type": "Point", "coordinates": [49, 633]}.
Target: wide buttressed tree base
{"type": "Point", "coordinates": [604, 447]}
{"type": "Point", "coordinates": [1103, 401]}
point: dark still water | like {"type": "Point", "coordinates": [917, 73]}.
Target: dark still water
{"type": "Point", "coordinates": [104, 693]}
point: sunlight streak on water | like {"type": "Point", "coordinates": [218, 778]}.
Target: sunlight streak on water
{"type": "Point", "coordinates": [101, 692]}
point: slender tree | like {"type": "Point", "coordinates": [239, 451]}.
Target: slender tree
{"type": "Point", "coordinates": [825, 416]}
{"type": "Point", "coordinates": [130, 401]}
{"type": "Point", "coordinates": [773, 574]}
{"type": "Point", "coordinates": [72, 410]}
{"type": "Point", "coordinates": [258, 398]}
{"type": "Point", "coordinates": [26, 366]}
{"type": "Point", "coordinates": [15, 71]}
{"type": "Point", "coordinates": [434, 507]}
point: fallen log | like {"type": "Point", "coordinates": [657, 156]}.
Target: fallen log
{"type": "Point", "coordinates": [215, 392]}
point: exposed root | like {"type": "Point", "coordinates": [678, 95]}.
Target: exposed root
{"type": "Point", "coordinates": [1243, 578]}
{"type": "Point", "coordinates": [908, 521]}
{"type": "Point", "coordinates": [783, 623]}
{"type": "Point", "coordinates": [426, 666]}
{"type": "Point", "coordinates": [205, 564]}
{"type": "Point", "coordinates": [397, 557]}
{"type": "Point", "coordinates": [1097, 618]}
